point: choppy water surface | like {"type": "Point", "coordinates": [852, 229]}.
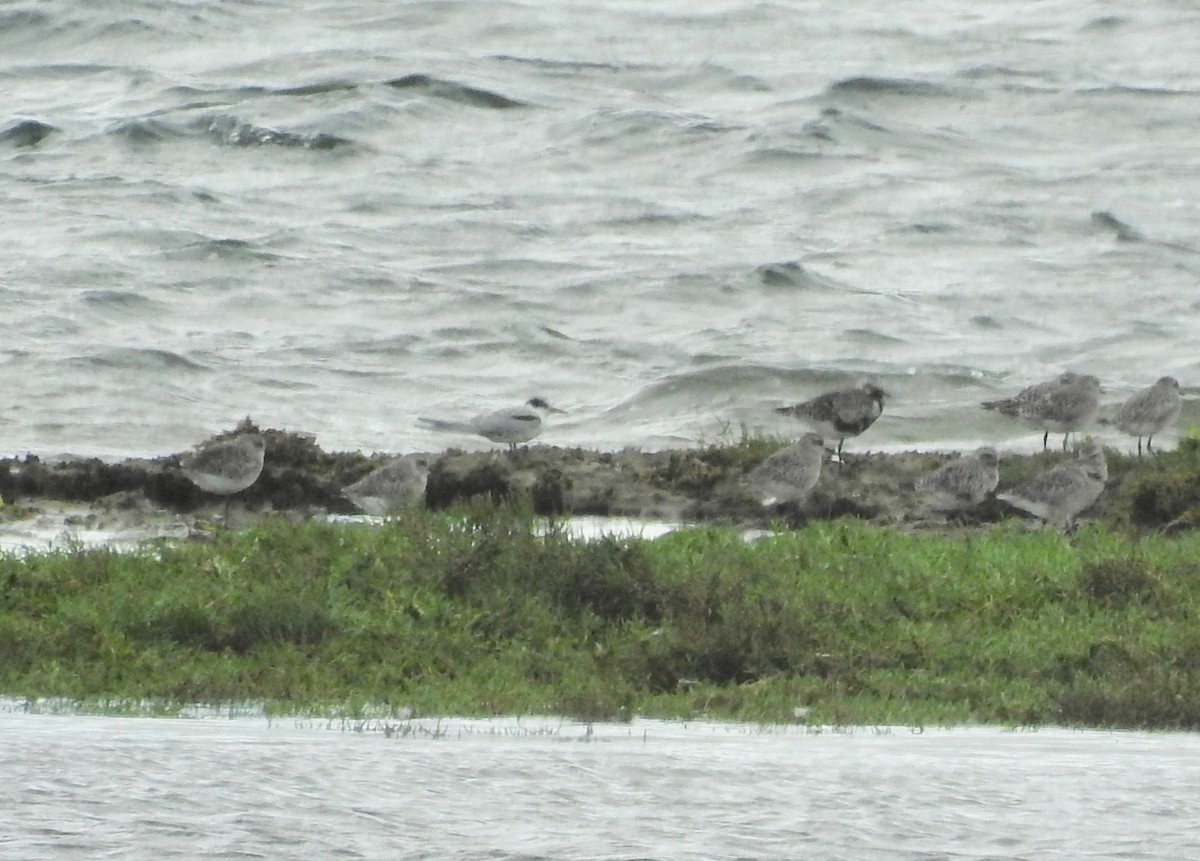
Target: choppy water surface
{"type": "Point", "coordinates": [245, 787]}
{"type": "Point", "coordinates": [666, 217]}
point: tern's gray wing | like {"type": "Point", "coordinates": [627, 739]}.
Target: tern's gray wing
{"type": "Point", "coordinates": [517, 425]}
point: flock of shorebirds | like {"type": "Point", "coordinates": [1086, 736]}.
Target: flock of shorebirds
{"type": "Point", "coordinates": [1068, 403]}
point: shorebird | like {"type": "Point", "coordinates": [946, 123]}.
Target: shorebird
{"type": "Point", "coordinates": [961, 483]}
{"type": "Point", "coordinates": [226, 467]}
{"type": "Point", "coordinates": [1058, 494]}
{"type": "Point", "coordinates": [1067, 403]}
{"type": "Point", "coordinates": [394, 486]}
{"type": "Point", "coordinates": [790, 473]}
{"type": "Point", "coordinates": [509, 426]}
{"type": "Point", "coordinates": [840, 414]}
{"type": "Point", "coordinates": [1150, 410]}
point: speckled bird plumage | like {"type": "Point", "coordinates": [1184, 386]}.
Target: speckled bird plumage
{"type": "Point", "coordinates": [1067, 403]}
{"type": "Point", "coordinates": [840, 414]}
{"type": "Point", "coordinates": [790, 474]}
{"type": "Point", "coordinates": [1059, 494]}
{"type": "Point", "coordinates": [1150, 410]}
{"type": "Point", "coordinates": [961, 483]}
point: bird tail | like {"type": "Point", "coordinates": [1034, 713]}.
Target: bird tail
{"type": "Point", "coordinates": [443, 425]}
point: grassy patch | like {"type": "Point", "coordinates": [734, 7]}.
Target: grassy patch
{"type": "Point", "coordinates": [478, 612]}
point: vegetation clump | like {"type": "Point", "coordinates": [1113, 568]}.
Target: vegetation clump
{"type": "Point", "coordinates": [485, 610]}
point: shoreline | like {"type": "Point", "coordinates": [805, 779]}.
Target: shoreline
{"type": "Point", "coordinates": [689, 486]}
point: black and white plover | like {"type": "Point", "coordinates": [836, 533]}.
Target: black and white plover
{"type": "Point", "coordinates": [840, 414]}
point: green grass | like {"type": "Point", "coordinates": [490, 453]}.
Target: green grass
{"type": "Point", "coordinates": [473, 613]}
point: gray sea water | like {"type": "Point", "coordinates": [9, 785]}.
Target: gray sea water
{"type": "Point", "coordinates": [96, 787]}
{"type": "Point", "coordinates": [665, 217]}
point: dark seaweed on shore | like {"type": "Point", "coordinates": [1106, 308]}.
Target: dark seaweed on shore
{"type": "Point", "coordinates": [698, 485]}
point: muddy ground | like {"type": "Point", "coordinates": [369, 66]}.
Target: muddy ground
{"type": "Point", "coordinates": [300, 480]}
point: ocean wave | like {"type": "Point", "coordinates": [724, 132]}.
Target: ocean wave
{"type": "Point", "coordinates": [714, 384]}
{"type": "Point", "coordinates": [452, 91]}
{"type": "Point", "coordinates": [627, 127]}
{"type": "Point", "coordinates": [118, 300]}
{"type": "Point", "coordinates": [791, 273]}
{"type": "Point", "coordinates": [907, 87]}
{"type": "Point", "coordinates": [317, 88]}
{"type": "Point", "coordinates": [27, 133]}
{"type": "Point", "coordinates": [1105, 22]}
{"type": "Point", "coordinates": [147, 131]}
{"type": "Point", "coordinates": [138, 359]}
{"type": "Point", "coordinates": [226, 248]}
{"type": "Point", "coordinates": [986, 71]}
{"type": "Point", "coordinates": [230, 131]}
{"type": "Point", "coordinates": [1137, 90]}
{"type": "Point", "coordinates": [390, 345]}
{"type": "Point", "coordinates": [862, 335]}
{"type": "Point", "coordinates": [570, 66]}
{"type": "Point", "coordinates": [1124, 232]}
{"type": "Point", "coordinates": [19, 20]}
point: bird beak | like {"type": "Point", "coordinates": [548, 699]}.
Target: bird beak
{"type": "Point", "coordinates": [556, 410]}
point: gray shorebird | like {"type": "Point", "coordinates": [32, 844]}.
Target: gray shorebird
{"type": "Point", "coordinates": [1058, 494]}
{"type": "Point", "coordinates": [790, 473]}
{"type": "Point", "coordinates": [1067, 403]}
{"type": "Point", "coordinates": [396, 485]}
{"type": "Point", "coordinates": [840, 414]}
{"type": "Point", "coordinates": [226, 467]}
{"type": "Point", "coordinates": [506, 426]}
{"type": "Point", "coordinates": [961, 483]}
{"type": "Point", "coordinates": [1150, 410]}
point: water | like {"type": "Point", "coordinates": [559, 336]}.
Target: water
{"type": "Point", "coordinates": [528, 789]}
{"type": "Point", "coordinates": [666, 218]}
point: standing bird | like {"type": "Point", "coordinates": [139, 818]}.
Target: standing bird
{"type": "Point", "coordinates": [961, 483]}
{"type": "Point", "coordinates": [399, 484]}
{"type": "Point", "coordinates": [226, 467]}
{"type": "Point", "coordinates": [1150, 410]}
{"type": "Point", "coordinates": [1064, 404]}
{"type": "Point", "coordinates": [1058, 494]}
{"type": "Point", "coordinates": [511, 426]}
{"type": "Point", "coordinates": [840, 414]}
{"type": "Point", "coordinates": [790, 473]}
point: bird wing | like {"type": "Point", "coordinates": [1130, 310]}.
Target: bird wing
{"type": "Point", "coordinates": [1053, 483]}
{"type": "Point", "coordinates": [957, 478]}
